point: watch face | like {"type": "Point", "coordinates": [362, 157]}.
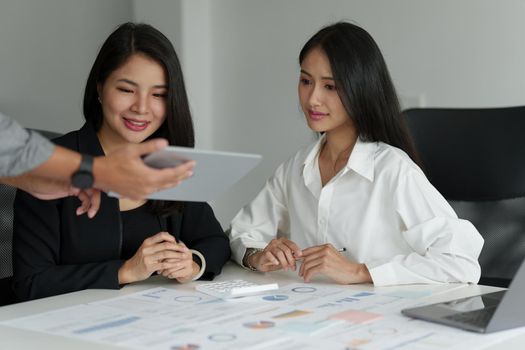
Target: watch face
{"type": "Point", "coordinates": [82, 180]}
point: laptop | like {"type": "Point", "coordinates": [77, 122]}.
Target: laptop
{"type": "Point", "coordinates": [213, 174]}
{"type": "Point", "coordinates": [484, 313]}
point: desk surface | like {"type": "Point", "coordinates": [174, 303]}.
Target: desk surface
{"type": "Point", "coordinates": [12, 338]}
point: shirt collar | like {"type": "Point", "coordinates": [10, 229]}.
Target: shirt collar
{"type": "Point", "coordinates": [314, 152]}
{"type": "Point", "coordinates": [361, 159]}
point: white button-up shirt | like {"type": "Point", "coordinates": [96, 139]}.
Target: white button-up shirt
{"type": "Point", "coordinates": [380, 207]}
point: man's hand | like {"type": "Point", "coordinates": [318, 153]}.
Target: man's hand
{"type": "Point", "coordinates": [46, 188]}
{"type": "Point", "coordinates": [124, 171]}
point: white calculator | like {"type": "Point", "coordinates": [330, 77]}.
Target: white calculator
{"type": "Point", "coordinates": [234, 288]}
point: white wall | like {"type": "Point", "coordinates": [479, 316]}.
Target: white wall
{"type": "Point", "coordinates": [46, 51]}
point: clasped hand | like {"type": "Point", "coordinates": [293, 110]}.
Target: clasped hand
{"type": "Point", "coordinates": [163, 254]}
{"type": "Point", "coordinates": [282, 253]}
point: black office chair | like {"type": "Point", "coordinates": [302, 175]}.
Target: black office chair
{"type": "Point", "coordinates": [7, 196]}
{"type": "Point", "coordinates": [476, 159]}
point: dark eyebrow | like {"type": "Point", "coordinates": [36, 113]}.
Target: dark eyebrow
{"type": "Point", "coordinates": [324, 78]}
{"type": "Point", "coordinates": [135, 84]}
{"type": "Point", "coordinates": [305, 72]}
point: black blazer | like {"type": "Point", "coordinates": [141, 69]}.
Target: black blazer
{"type": "Point", "coordinates": [55, 251]}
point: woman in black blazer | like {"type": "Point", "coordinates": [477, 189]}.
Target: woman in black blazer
{"type": "Point", "coordinates": [135, 91]}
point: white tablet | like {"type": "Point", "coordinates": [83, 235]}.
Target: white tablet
{"type": "Point", "coordinates": [213, 174]}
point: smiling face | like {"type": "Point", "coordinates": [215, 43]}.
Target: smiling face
{"type": "Point", "coordinates": [133, 99]}
{"type": "Point", "coordinates": [318, 95]}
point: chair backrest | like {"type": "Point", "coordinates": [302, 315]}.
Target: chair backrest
{"type": "Point", "coordinates": [7, 196]}
{"type": "Point", "coordinates": [475, 158]}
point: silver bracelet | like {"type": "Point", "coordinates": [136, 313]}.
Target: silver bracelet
{"type": "Point", "coordinates": [249, 252]}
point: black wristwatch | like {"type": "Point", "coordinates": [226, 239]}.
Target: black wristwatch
{"type": "Point", "coordinates": [83, 177]}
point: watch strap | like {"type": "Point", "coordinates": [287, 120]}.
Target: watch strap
{"type": "Point", "coordinates": [86, 164]}
{"type": "Point", "coordinates": [83, 177]}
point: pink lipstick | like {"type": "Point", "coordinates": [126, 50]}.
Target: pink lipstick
{"type": "Point", "coordinates": [135, 125]}
{"type": "Point", "coordinates": [314, 115]}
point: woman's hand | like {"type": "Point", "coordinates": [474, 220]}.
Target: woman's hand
{"type": "Point", "coordinates": [280, 253]}
{"type": "Point", "coordinates": [153, 255]}
{"type": "Point", "coordinates": [326, 260]}
{"type": "Point", "coordinates": [182, 268]}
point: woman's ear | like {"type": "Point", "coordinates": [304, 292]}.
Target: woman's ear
{"type": "Point", "coordinates": [99, 92]}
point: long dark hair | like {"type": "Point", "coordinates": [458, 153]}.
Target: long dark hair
{"type": "Point", "coordinates": [363, 84]}
{"type": "Point", "coordinates": [126, 40]}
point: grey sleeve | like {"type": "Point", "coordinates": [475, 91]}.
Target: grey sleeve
{"type": "Point", "coordinates": [20, 150]}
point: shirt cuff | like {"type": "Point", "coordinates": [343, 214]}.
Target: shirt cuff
{"type": "Point", "coordinates": [382, 275]}
{"type": "Point", "coordinates": [203, 264]}
{"type": "Point", "coordinates": [239, 246]}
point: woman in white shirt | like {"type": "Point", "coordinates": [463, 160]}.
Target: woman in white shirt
{"type": "Point", "coordinates": [354, 206]}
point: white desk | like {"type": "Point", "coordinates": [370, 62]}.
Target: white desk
{"type": "Point", "coordinates": [11, 338]}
